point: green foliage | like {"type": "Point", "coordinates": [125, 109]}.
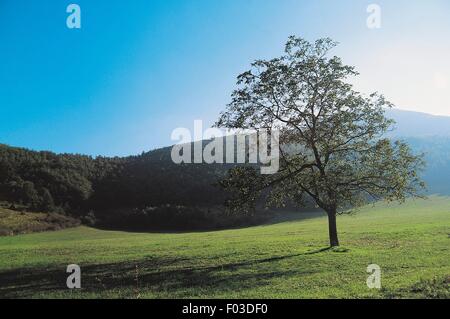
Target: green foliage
{"type": "Point", "coordinates": [45, 181]}
{"type": "Point", "coordinates": [77, 185]}
{"type": "Point", "coordinates": [30, 195]}
{"type": "Point", "coordinates": [333, 148]}
{"type": "Point", "coordinates": [47, 204]}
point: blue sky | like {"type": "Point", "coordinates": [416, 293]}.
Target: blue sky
{"type": "Point", "coordinates": [138, 69]}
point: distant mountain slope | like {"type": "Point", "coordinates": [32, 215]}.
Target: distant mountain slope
{"type": "Point", "coordinates": [415, 124]}
{"type": "Point", "coordinates": [436, 150]}
{"type": "Point", "coordinates": [430, 135]}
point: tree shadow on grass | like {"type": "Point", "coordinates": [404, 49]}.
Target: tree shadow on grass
{"type": "Point", "coordinates": [164, 277]}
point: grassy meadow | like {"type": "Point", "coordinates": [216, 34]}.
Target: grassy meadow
{"type": "Point", "coordinates": [285, 259]}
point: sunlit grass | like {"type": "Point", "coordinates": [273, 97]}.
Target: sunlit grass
{"type": "Point", "coordinates": [285, 260]}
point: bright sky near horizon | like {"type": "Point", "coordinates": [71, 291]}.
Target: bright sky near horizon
{"type": "Point", "coordinates": [136, 70]}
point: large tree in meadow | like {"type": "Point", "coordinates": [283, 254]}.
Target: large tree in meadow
{"type": "Point", "coordinates": [333, 150]}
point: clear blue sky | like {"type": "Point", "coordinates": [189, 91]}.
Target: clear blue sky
{"type": "Point", "coordinates": [138, 69]}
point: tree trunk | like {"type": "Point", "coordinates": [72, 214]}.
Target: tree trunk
{"type": "Point", "coordinates": [332, 229]}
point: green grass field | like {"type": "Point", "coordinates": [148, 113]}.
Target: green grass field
{"type": "Point", "coordinates": [411, 244]}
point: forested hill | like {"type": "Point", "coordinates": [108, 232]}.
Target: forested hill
{"type": "Point", "coordinates": [151, 184]}
{"type": "Point", "coordinates": [77, 183]}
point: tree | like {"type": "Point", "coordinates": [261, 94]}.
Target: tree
{"type": "Point", "coordinates": [47, 203]}
{"type": "Point", "coordinates": [332, 148]}
{"type": "Point", "coordinates": [30, 194]}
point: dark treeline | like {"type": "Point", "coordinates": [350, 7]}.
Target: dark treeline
{"type": "Point", "coordinates": [45, 181]}
{"type": "Point", "coordinates": [136, 191]}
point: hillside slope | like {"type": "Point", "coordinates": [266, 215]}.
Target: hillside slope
{"type": "Point", "coordinates": [417, 124]}
{"type": "Point", "coordinates": [14, 222]}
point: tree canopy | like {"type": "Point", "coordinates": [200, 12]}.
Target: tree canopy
{"type": "Point", "coordinates": [333, 150]}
